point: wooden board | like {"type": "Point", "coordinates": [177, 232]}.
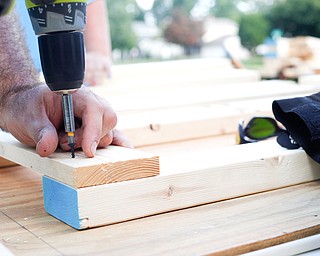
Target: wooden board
{"type": "Point", "coordinates": [173, 74]}
{"type": "Point", "coordinates": [176, 124]}
{"type": "Point", "coordinates": [112, 164]}
{"type": "Point", "coordinates": [186, 180]}
{"type": "Point", "coordinates": [19, 239]}
{"type": "Point", "coordinates": [156, 81]}
{"type": "Point", "coordinates": [309, 79]}
{"type": "Point", "coordinates": [230, 227]}
{"type": "Point", "coordinates": [204, 95]}
{"type": "Point", "coordinates": [5, 163]}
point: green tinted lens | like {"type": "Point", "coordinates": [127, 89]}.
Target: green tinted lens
{"type": "Point", "coordinates": [261, 128]}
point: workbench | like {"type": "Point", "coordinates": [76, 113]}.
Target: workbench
{"type": "Point", "coordinates": [280, 221]}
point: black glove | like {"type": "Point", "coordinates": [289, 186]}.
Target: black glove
{"type": "Point", "coordinates": [301, 117]}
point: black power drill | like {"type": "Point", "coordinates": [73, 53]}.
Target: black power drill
{"type": "Point", "coordinates": [59, 25]}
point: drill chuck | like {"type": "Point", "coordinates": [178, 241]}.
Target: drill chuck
{"type": "Point", "coordinates": [62, 60]}
{"type": "Point", "coordinates": [59, 25]}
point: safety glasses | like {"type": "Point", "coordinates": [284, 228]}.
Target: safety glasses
{"type": "Point", "coordinates": [258, 128]}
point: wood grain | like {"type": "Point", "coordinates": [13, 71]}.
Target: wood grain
{"type": "Point", "coordinates": [186, 180]}
{"type": "Point", "coordinates": [177, 124]}
{"type": "Point", "coordinates": [230, 227]}
{"type": "Point", "coordinates": [6, 163]}
{"type": "Point", "coordinates": [113, 164]}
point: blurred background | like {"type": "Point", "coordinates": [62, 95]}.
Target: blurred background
{"type": "Point", "coordinates": [278, 37]}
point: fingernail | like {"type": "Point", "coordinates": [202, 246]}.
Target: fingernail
{"type": "Point", "coordinates": [94, 147]}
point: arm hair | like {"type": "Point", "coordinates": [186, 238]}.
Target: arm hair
{"type": "Point", "coordinates": [17, 70]}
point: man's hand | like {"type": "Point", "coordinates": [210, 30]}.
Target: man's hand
{"type": "Point", "coordinates": [34, 116]}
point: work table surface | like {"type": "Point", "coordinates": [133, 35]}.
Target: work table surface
{"type": "Point", "coordinates": [188, 110]}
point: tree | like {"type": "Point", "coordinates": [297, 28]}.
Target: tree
{"type": "Point", "coordinates": [122, 35]}
{"type": "Point", "coordinates": [184, 31]}
{"type": "Point", "coordinates": [185, 5]}
{"type": "Point", "coordinates": [226, 8]}
{"type": "Point", "coordinates": [253, 29]}
{"type": "Point", "coordinates": [296, 17]}
{"type": "Point", "coordinates": [163, 9]}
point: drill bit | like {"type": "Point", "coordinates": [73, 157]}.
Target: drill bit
{"type": "Point", "coordinates": [68, 117]}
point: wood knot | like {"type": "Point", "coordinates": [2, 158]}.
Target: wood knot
{"type": "Point", "coordinates": [170, 191]}
{"type": "Point", "coordinates": [154, 127]}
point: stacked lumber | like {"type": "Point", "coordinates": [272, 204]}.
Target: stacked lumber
{"type": "Point", "coordinates": [309, 79]}
{"type": "Point", "coordinates": [229, 227]}
{"type": "Point", "coordinates": [76, 196]}
{"type": "Point", "coordinates": [189, 99]}
{"type": "Point", "coordinates": [173, 74]}
{"type": "Point", "coordinates": [151, 117]}
{"type": "Point", "coordinates": [183, 124]}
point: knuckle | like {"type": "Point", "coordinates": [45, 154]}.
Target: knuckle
{"type": "Point", "coordinates": [106, 140]}
{"type": "Point", "coordinates": [100, 108]}
{"type": "Point", "coordinates": [113, 119]}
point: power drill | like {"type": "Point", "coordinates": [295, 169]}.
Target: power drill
{"type": "Point", "coordinates": [59, 25]}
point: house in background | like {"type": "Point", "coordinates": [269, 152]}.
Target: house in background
{"type": "Point", "coordinates": [220, 34]}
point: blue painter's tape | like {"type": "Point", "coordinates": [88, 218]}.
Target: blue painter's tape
{"type": "Point", "coordinates": [61, 201]}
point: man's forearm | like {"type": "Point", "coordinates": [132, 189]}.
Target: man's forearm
{"type": "Point", "coordinates": [17, 71]}
{"type": "Point", "coordinates": [97, 34]}
{"type": "Point", "coordinates": [16, 66]}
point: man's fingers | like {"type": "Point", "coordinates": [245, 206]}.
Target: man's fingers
{"type": "Point", "coordinates": [92, 130]}
{"type": "Point", "coordinates": [120, 140]}
{"type": "Point", "coordinates": [98, 119]}
{"type": "Point", "coordinates": [106, 140]}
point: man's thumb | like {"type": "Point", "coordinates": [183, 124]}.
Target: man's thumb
{"type": "Point", "coordinates": [47, 141]}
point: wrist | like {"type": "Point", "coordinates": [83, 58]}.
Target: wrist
{"type": "Point", "coordinates": [13, 102]}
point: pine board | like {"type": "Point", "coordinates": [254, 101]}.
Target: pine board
{"type": "Point", "coordinates": [142, 100]}
{"type": "Point", "coordinates": [230, 227]}
{"type": "Point", "coordinates": [175, 74]}
{"type": "Point", "coordinates": [113, 164]}
{"type": "Point", "coordinates": [156, 81]}
{"type": "Point", "coordinates": [186, 179]}
{"type": "Point", "coordinates": [177, 124]}
{"type": "Point", "coordinates": [5, 163]}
